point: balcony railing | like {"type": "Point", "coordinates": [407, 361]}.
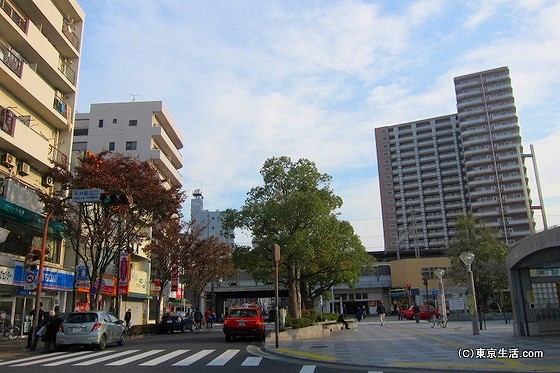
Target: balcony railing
{"type": "Point", "coordinates": [14, 62]}
{"type": "Point", "coordinates": [11, 12]}
{"type": "Point", "coordinates": [65, 68]}
{"type": "Point", "coordinates": [57, 157]}
{"type": "Point", "coordinates": [68, 31]}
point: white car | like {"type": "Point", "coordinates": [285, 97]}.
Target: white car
{"type": "Point", "coordinates": [95, 328]}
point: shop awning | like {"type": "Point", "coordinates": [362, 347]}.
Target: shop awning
{"type": "Point", "coordinates": [139, 296]}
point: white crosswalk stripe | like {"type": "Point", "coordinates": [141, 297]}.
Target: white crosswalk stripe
{"type": "Point", "coordinates": [8, 362]}
{"type": "Point", "coordinates": [163, 358]}
{"type": "Point", "coordinates": [76, 358]}
{"type": "Point", "coordinates": [307, 369]}
{"type": "Point", "coordinates": [251, 361]}
{"type": "Point", "coordinates": [49, 358]}
{"type": "Point", "coordinates": [134, 358]}
{"type": "Point", "coordinates": [105, 358]}
{"type": "Point", "coordinates": [193, 358]}
{"type": "Point", "coordinates": [223, 358]}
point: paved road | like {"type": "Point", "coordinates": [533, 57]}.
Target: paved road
{"type": "Point", "coordinates": [408, 344]}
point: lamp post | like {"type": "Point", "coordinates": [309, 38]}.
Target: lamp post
{"type": "Point", "coordinates": [468, 258]}
{"type": "Point", "coordinates": [439, 274]}
{"type": "Point", "coordinates": [276, 249]}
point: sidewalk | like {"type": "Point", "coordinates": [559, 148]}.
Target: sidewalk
{"type": "Point", "coordinates": [408, 344]}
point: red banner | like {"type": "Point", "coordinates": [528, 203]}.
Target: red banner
{"type": "Point", "coordinates": [174, 278]}
{"type": "Point", "coordinates": [124, 273]}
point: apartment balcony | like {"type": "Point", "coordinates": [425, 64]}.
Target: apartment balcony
{"type": "Point", "coordinates": [165, 167]}
{"type": "Point", "coordinates": [12, 13]}
{"type": "Point", "coordinates": [432, 199]}
{"type": "Point", "coordinates": [11, 61]}
{"type": "Point", "coordinates": [499, 96]}
{"type": "Point", "coordinates": [473, 101]}
{"type": "Point", "coordinates": [466, 83]}
{"type": "Point", "coordinates": [429, 182]}
{"type": "Point", "coordinates": [164, 142]}
{"type": "Point", "coordinates": [476, 130]}
{"type": "Point", "coordinates": [475, 140]}
{"type": "Point", "coordinates": [466, 93]}
{"type": "Point", "coordinates": [471, 162]}
{"type": "Point", "coordinates": [445, 147]}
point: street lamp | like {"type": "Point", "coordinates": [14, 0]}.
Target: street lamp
{"type": "Point", "coordinates": [439, 274]}
{"type": "Point", "coordinates": [468, 258]}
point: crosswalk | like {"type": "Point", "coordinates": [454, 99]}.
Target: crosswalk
{"type": "Point", "coordinates": [177, 358]}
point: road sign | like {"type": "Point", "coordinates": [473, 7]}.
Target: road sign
{"type": "Point", "coordinates": [434, 293]}
{"type": "Point", "coordinates": [86, 195]}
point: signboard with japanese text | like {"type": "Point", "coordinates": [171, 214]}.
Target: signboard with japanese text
{"type": "Point", "coordinates": [86, 195]}
{"type": "Point", "coordinates": [124, 273]}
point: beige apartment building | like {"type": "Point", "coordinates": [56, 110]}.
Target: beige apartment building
{"type": "Point", "coordinates": [40, 44]}
{"type": "Point", "coordinates": [145, 130]}
{"type": "Point", "coordinates": [433, 170]}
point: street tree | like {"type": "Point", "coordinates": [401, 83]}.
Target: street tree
{"type": "Point", "coordinates": [489, 267]}
{"type": "Point", "coordinates": [98, 232]}
{"type": "Point", "coordinates": [296, 208]}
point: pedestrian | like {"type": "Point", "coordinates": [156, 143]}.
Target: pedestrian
{"type": "Point", "coordinates": [51, 328]}
{"type": "Point", "coordinates": [127, 317]}
{"type": "Point", "coordinates": [364, 312]}
{"type": "Point", "coordinates": [398, 311]}
{"type": "Point", "coordinates": [416, 311]}
{"type": "Point", "coordinates": [342, 321]}
{"type": "Point", "coordinates": [112, 310]}
{"type": "Point", "coordinates": [209, 317]}
{"type": "Point", "coordinates": [359, 314]}
{"type": "Point", "coordinates": [31, 341]}
{"type": "Point", "coordinates": [381, 312]}
{"type": "Point", "coordinates": [198, 319]}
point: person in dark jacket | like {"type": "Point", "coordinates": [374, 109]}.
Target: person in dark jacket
{"type": "Point", "coordinates": [52, 326]}
{"type": "Point", "coordinates": [416, 310]}
{"type": "Point", "coordinates": [381, 312]}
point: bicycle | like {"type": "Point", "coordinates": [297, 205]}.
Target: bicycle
{"type": "Point", "coordinates": [440, 320]}
{"type": "Point", "coordinates": [9, 332]}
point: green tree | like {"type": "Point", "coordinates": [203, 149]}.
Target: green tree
{"type": "Point", "coordinates": [295, 208]}
{"type": "Point", "coordinates": [489, 266]}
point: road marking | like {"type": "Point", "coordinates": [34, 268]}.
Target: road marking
{"type": "Point", "coordinates": [193, 358]}
{"type": "Point", "coordinates": [50, 358]}
{"type": "Point", "coordinates": [8, 362]}
{"type": "Point", "coordinates": [134, 358]}
{"type": "Point", "coordinates": [223, 358]}
{"type": "Point", "coordinates": [163, 358]}
{"type": "Point", "coordinates": [105, 358]}
{"type": "Point", "coordinates": [307, 369]}
{"type": "Point", "coordinates": [307, 354]}
{"type": "Point", "coordinates": [71, 360]}
{"type": "Point", "coordinates": [252, 361]}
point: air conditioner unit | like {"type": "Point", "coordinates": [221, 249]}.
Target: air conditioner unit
{"type": "Point", "coordinates": [48, 181]}
{"type": "Point", "coordinates": [24, 168]}
{"type": "Point", "coordinates": [9, 160]}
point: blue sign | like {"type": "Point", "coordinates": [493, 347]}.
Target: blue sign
{"type": "Point", "coordinates": [53, 278]}
{"type": "Point", "coordinates": [434, 293]}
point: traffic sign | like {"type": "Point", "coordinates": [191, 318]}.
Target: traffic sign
{"type": "Point", "coordinates": [86, 195]}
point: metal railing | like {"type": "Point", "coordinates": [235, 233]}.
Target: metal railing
{"type": "Point", "coordinates": [58, 157]}
{"type": "Point", "coordinates": [14, 62]}
{"type": "Point", "coordinates": [68, 31]}
{"type": "Point", "coordinates": [11, 12]}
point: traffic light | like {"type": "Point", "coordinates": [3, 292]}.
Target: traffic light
{"type": "Point", "coordinates": [408, 286]}
{"type": "Point", "coordinates": [115, 199]}
{"type": "Point", "coordinates": [30, 263]}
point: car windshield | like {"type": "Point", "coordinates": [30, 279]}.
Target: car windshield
{"type": "Point", "coordinates": [78, 318]}
{"type": "Point", "coordinates": [243, 313]}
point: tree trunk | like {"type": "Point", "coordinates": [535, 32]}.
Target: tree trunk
{"type": "Point", "coordinates": [294, 300]}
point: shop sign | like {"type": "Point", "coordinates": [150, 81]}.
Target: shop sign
{"type": "Point", "coordinates": [138, 282]}
{"type": "Point", "coordinates": [174, 278]}
{"type": "Point", "coordinates": [6, 275]}
{"type": "Point", "coordinates": [107, 286]}
{"type": "Point", "coordinates": [155, 287]}
{"type": "Point", "coordinates": [53, 278]}
{"type": "Point", "coordinates": [124, 273]}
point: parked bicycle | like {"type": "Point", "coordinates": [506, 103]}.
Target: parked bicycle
{"type": "Point", "coordinates": [8, 331]}
{"type": "Point", "coordinates": [440, 320]}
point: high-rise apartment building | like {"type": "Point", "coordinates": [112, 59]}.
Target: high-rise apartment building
{"type": "Point", "coordinates": [492, 153]}
{"type": "Point", "coordinates": [143, 129]}
{"type": "Point", "coordinates": [40, 44]}
{"type": "Point", "coordinates": [433, 170]}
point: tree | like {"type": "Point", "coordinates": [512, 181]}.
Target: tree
{"type": "Point", "coordinates": [489, 267]}
{"type": "Point", "coordinates": [97, 232]}
{"type": "Point", "coordinates": [295, 208]}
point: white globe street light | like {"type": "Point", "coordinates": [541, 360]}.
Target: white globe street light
{"type": "Point", "coordinates": [468, 258]}
{"type": "Point", "coordinates": [439, 274]}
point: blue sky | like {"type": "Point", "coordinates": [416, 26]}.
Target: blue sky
{"type": "Point", "coordinates": [248, 80]}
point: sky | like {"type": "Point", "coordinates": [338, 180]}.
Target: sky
{"type": "Point", "coordinates": [247, 80]}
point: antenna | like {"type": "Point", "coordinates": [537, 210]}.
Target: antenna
{"type": "Point", "coordinates": [133, 95]}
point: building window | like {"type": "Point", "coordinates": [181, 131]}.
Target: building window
{"type": "Point", "coordinates": [131, 145]}
{"type": "Point", "coordinates": [81, 132]}
{"type": "Point", "coordinates": [100, 123]}
{"type": "Point", "coordinates": [112, 146]}
{"type": "Point", "coordinates": [115, 121]}
{"type": "Point", "coordinates": [132, 122]}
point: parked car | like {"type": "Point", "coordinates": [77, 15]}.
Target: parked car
{"type": "Point", "coordinates": [92, 328]}
{"type": "Point", "coordinates": [244, 321]}
{"type": "Point", "coordinates": [172, 322]}
{"type": "Point", "coordinates": [426, 312]}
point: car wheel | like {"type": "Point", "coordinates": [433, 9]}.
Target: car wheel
{"type": "Point", "coordinates": [228, 338]}
{"type": "Point", "coordinates": [102, 343]}
{"type": "Point", "coordinates": [121, 341]}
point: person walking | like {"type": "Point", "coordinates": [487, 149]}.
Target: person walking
{"type": "Point", "coordinates": [416, 311]}
{"type": "Point", "coordinates": [381, 312]}
{"type": "Point", "coordinates": [127, 318]}
{"type": "Point", "coordinates": [32, 342]}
